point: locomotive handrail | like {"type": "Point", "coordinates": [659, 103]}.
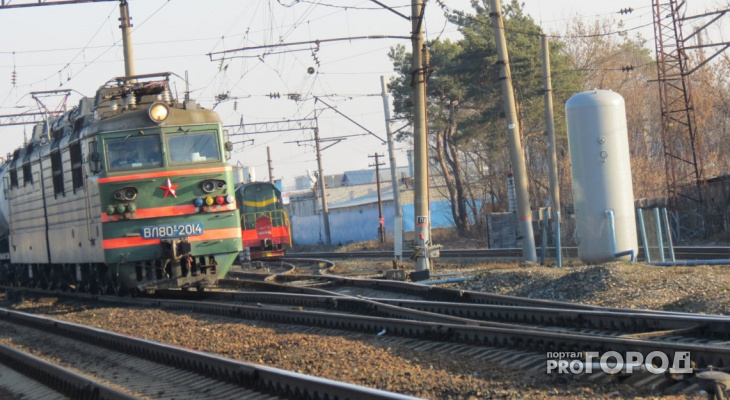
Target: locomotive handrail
{"type": "Point", "coordinates": [249, 219]}
{"type": "Point", "coordinates": [166, 75]}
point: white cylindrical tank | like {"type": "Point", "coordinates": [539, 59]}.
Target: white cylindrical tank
{"type": "Point", "coordinates": [601, 169]}
{"type": "Point", "coordinates": [238, 175]}
{"type": "Point", "coordinates": [249, 174]}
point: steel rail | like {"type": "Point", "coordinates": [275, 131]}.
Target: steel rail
{"type": "Point", "coordinates": [62, 380]}
{"type": "Point", "coordinates": [328, 282]}
{"type": "Point", "coordinates": [647, 323]}
{"type": "Point", "coordinates": [262, 378]}
{"type": "Point", "coordinates": [542, 340]}
{"type": "Point", "coordinates": [534, 340]}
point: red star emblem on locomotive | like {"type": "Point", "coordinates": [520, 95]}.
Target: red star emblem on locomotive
{"type": "Point", "coordinates": [169, 189]}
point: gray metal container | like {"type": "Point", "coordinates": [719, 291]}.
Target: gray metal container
{"type": "Point", "coordinates": [601, 170]}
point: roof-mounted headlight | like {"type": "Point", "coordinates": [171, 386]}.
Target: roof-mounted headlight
{"type": "Point", "coordinates": [159, 112]}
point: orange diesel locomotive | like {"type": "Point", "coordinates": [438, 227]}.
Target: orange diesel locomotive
{"type": "Point", "coordinates": [265, 226]}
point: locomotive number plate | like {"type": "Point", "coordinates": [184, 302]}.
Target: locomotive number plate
{"type": "Point", "coordinates": [172, 231]}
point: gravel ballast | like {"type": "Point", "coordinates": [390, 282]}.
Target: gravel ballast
{"type": "Point", "coordinates": [378, 362]}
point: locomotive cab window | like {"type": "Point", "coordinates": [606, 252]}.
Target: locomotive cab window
{"type": "Point", "coordinates": [133, 152]}
{"type": "Point", "coordinates": [13, 177]}
{"type": "Point", "coordinates": [193, 148]}
{"type": "Point", "coordinates": [77, 172]}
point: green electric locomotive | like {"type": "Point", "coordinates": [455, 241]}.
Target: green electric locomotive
{"type": "Point", "coordinates": [128, 191]}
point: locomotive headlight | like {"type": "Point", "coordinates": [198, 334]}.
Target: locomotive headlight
{"type": "Point", "coordinates": [130, 194]}
{"type": "Point", "coordinates": [208, 186]}
{"type": "Point", "coordinates": [125, 194]}
{"type": "Point", "coordinates": [159, 112]}
{"type": "Point", "coordinates": [212, 184]}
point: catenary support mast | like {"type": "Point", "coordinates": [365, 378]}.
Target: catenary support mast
{"type": "Point", "coordinates": [517, 158]}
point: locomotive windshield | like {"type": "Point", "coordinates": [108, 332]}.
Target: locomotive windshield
{"type": "Point", "coordinates": [133, 152]}
{"type": "Point", "coordinates": [193, 147]}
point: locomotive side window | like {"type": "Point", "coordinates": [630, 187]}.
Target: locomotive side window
{"type": "Point", "coordinates": [193, 148]}
{"type": "Point", "coordinates": [27, 175]}
{"type": "Point", "coordinates": [77, 174]}
{"type": "Point", "coordinates": [57, 170]}
{"type": "Point", "coordinates": [13, 178]}
{"type": "Point", "coordinates": [133, 152]}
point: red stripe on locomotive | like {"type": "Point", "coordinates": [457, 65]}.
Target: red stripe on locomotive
{"type": "Point", "coordinates": [277, 234]}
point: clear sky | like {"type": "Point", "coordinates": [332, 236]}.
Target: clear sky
{"type": "Point", "coordinates": [79, 47]}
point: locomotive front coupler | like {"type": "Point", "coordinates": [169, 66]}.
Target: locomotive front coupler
{"type": "Point", "coordinates": [177, 251]}
{"type": "Point", "coordinates": [174, 249]}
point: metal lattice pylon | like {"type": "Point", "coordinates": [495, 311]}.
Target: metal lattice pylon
{"type": "Point", "coordinates": [681, 141]}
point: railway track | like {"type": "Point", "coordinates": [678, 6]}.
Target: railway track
{"type": "Point", "coordinates": [495, 327]}
{"type": "Point", "coordinates": [391, 289]}
{"type": "Point", "coordinates": [434, 302]}
{"type": "Point", "coordinates": [440, 304]}
{"type": "Point", "coordinates": [517, 343]}
{"type": "Point", "coordinates": [23, 375]}
{"type": "Point", "coordinates": [148, 369]}
{"type": "Point", "coordinates": [549, 330]}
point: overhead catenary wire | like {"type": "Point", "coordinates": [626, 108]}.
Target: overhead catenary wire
{"type": "Point", "coordinates": [108, 48]}
{"type": "Point", "coordinates": [316, 42]}
{"type": "Point", "coordinates": [322, 81]}
{"type": "Point", "coordinates": [462, 14]}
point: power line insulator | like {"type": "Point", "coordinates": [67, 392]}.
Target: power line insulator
{"type": "Point", "coordinates": [626, 10]}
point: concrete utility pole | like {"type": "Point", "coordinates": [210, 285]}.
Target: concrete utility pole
{"type": "Point", "coordinates": [381, 220]}
{"type": "Point", "coordinates": [322, 191]}
{"type": "Point", "coordinates": [126, 25]}
{"type": "Point", "coordinates": [398, 219]}
{"type": "Point", "coordinates": [553, 156]}
{"type": "Point", "coordinates": [517, 158]}
{"type": "Point", "coordinates": [422, 225]}
{"type": "Point", "coordinates": [271, 167]}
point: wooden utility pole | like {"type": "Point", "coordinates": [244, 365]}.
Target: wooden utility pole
{"type": "Point", "coordinates": [381, 220]}
{"type": "Point", "coordinates": [517, 158]}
